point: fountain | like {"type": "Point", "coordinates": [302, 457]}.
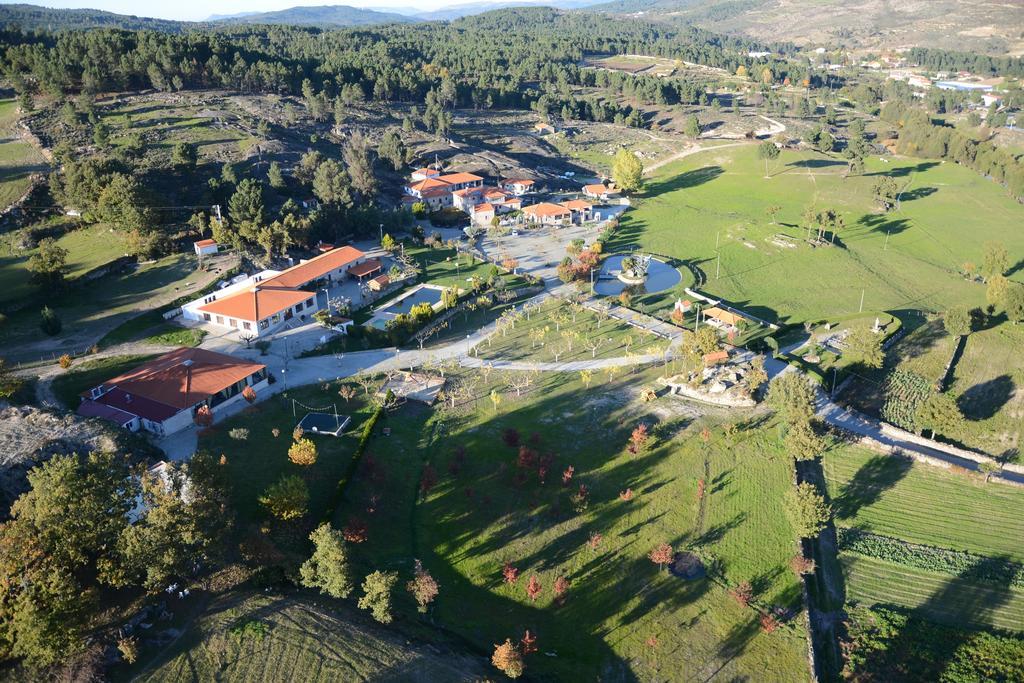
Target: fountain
{"type": "Point", "coordinates": [631, 270]}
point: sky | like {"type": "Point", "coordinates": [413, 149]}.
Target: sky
{"type": "Point", "coordinates": [197, 10]}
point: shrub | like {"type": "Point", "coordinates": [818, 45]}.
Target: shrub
{"type": "Point", "coordinates": [49, 322]}
{"type": "Point", "coordinates": [249, 394]}
{"type": "Point", "coordinates": [303, 452]}
{"type": "Point", "coordinates": [239, 434]}
{"type": "Point", "coordinates": [250, 629]}
{"type": "Point", "coordinates": [65, 361]}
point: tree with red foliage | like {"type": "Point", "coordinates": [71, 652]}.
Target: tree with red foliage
{"type": "Point", "coordinates": [567, 475]}
{"type": "Point", "coordinates": [249, 394]}
{"type": "Point", "coordinates": [651, 642]}
{"type": "Point", "coordinates": [355, 531]}
{"type": "Point", "coordinates": [594, 541]}
{"type": "Point", "coordinates": [203, 417]}
{"type": "Point", "coordinates": [661, 555]}
{"type": "Point", "coordinates": [705, 434]}
{"type": "Point", "coordinates": [626, 495]}
{"type": "Point", "coordinates": [510, 573]}
{"type": "Point", "coordinates": [769, 623]}
{"type": "Point", "coordinates": [528, 645]}
{"type": "Point", "coordinates": [802, 565]}
{"type": "Point", "coordinates": [637, 439]}
{"type": "Point", "coordinates": [527, 459]}
{"type": "Point", "coordinates": [581, 499]}
{"type": "Point", "coordinates": [534, 588]}
{"type": "Point", "coordinates": [561, 587]}
{"type": "Point", "coordinates": [427, 479]}
{"type": "Point", "coordinates": [511, 437]}
{"type": "Point", "coordinates": [423, 587]}
{"type": "Point", "coordinates": [743, 593]}
{"type": "Point", "coordinates": [700, 489]}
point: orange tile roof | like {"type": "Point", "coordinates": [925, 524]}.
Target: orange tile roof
{"type": "Point", "coordinates": [172, 382]}
{"type": "Point", "coordinates": [205, 243]}
{"type": "Point", "coordinates": [722, 315]}
{"type": "Point", "coordinates": [577, 205]}
{"type": "Point", "coordinates": [427, 171]}
{"type": "Point", "coordinates": [466, 191]}
{"type": "Point", "coordinates": [243, 305]}
{"type": "Point", "coordinates": [316, 267]}
{"type": "Point", "coordinates": [456, 178]}
{"type": "Point", "coordinates": [492, 194]}
{"type": "Point", "coordinates": [546, 209]}
{"type": "Point", "coordinates": [483, 208]}
{"type": "Point", "coordinates": [365, 268]}
{"type": "Point", "coordinates": [429, 184]}
{"type": "Point", "coordinates": [716, 357]}
{"type": "Point", "coordinates": [523, 181]}
{"type": "Point", "coordinates": [597, 189]}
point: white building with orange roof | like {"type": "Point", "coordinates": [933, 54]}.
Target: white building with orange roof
{"type": "Point", "coordinates": [424, 173]}
{"type": "Point", "coordinates": [518, 186]}
{"type": "Point", "coordinates": [582, 211]}
{"type": "Point", "coordinates": [601, 191]}
{"type": "Point", "coordinates": [437, 191]}
{"type": "Point", "coordinates": [260, 305]}
{"type": "Point", "coordinates": [547, 213]}
{"type": "Point", "coordinates": [483, 214]}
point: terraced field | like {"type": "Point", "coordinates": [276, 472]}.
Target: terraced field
{"type": "Point", "coordinates": [272, 638]}
{"type": "Point", "coordinates": [930, 506]}
{"type": "Point", "coordinates": [18, 159]}
{"type": "Point", "coordinates": [924, 504]}
{"type": "Point", "coordinates": [938, 597]}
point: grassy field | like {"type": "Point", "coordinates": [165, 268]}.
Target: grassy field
{"type": "Point", "coordinates": [257, 637]}
{"type": "Point", "coordinates": [929, 506]}
{"type": "Point", "coordinates": [986, 380]}
{"type": "Point", "coordinates": [262, 458]}
{"type": "Point", "coordinates": [18, 159]}
{"type": "Point", "coordinates": [480, 515]}
{"type": "Point", "coordinates": [88, 247]}
{"type": "Point", "coordinates": [89, 313]}
{"type": "Point", "coordinates": [151, 328]}
{"type": "Point", "coordinates": [722, 195]}
{"type": "Point", "coordinates": [84, 375]}
{"type": "Point", "coordinates": [554, 337]}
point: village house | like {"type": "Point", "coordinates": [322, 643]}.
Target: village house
{"type": "Point", "coordinates": [424, 173]}
{"type": "Point", "coordinates": [581, 211]}
{"type": "Point", "coordinates": [259, 305]}
{"type": "Point", "coordinates": [205, 247]}
{"type": "Point", "coordinates": [546, 213]}
{"type": "Point", "coordinates": [483, 214]}
{"type": "Point", "coordinates": [722, 319]}
{"type": "Point", "coordinates": [163, 395]}
{"type": "Point", "coordinates": [437, 191]}
{"type": "Point", "coordinates": [600, 191]}
{"type": "Point", "coordinates": [518, 187]}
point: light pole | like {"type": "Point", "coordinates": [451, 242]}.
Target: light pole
{"type": "Point", "coordinates": [284, 378]}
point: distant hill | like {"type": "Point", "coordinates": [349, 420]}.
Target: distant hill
{"type": "Point", "coordinates": [325, 16]}
{"type": "Point", "coordinates": [32, 17]}
{"type": "Point", "coordinates": [990, 26]}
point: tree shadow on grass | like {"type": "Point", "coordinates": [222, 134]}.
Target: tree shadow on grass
{"type": "Point", "coordinates": [693, 178]}
{"type": "Point", "coordinates": [984, 400]}
{"type": "Point", "coordinates": [815, 163]}
{"type": "Point", "coordinates": [904, 171]}
{"type": "Point", "coordinates": [877, 475]}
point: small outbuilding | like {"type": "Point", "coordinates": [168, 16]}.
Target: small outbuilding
{"type": "Point", "coordinates": [205, 247]}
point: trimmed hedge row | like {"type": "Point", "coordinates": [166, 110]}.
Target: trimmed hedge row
{"type": "Point", "coordinates": [929, 558]}
{"type": "Point", "coordinates": [357, 455]}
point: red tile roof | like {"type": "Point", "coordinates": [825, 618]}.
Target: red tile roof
{"type": "Point", "coordinates": [577, 205]}
{"type": "Point", "coordinates": [205, 243]}
{"type": "Point", "coordinates": [483, 208]}
{"type": "Point", "coordinates": [243, 305]}
{"type": "Point", "coordinates": [177, 380]}
{"type": "Point", "coordinates": [524, 182]}
{"type": "Point", "coordinates": [90, 408]}
{"type": "Point", "coordinates": [365, 268]}
{"type": "Point", "coordinates": [456, 178]}
{"type": "Point", "coordinates": [315, 268]}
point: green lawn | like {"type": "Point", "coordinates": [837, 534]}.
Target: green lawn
{"type": "Point", "coordinates": [249, 636]}
{"type": "Point", "coordinates": [90, 312]}
{"type": "Point", "coordinates": [262, 458]}
{"type": "Point", "coordinates": [928, 506]}
{"type": "Point", "coordinates": [151, 328]}
{"type": "Point", "coordinates": [88, 247]}
{"type": "Point", "coordinates": [18, 159]}
{"type": "Point", "coordinates": [480, 515]}
{"type": "Point", "coordinates": [721, 196]}
{"type": "Point", "coordinates": [86, 374]}
{"type": "Point", "coordinates": [555, 337]}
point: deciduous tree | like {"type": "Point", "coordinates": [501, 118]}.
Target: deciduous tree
{"type": "Point", "coordinates": [423, 587]}
{"type": "Point", "coordinates": [806, 509]}
{"type": "Point", "coordinates": [627, 171]}
{"type": "Point", "coordinates": [661, 555]}
{"type": "Point", "coordinates": [287, 498]}
{"type": "Point", "coordinates": [508, 660]}
{"type": "Point", "coordinates": [377, 595]}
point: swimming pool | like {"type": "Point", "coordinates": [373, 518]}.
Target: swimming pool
{"type": "Point", "coordinates": [423, 294]}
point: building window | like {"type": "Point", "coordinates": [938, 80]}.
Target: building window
{"type": "Point", "coordinates": [206, 317]}
{"type": "Point", "coordinates": [246, 325]}
{"type": "Point", "coordinates": [234, 323]}
{"type": "Point", "coordinates": [220, 320]}
{"type": "Point", "coordinates": [298, 307]}
{"type": "Point", "coordinates": [309, 303]}
{"type": "Point", "coordinates": [264, 324]}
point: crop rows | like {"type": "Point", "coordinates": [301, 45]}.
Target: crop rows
{"type": "Point", "coordinates": [927, 505]}
{"type": "Point", "coordinates": [942, 598]}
